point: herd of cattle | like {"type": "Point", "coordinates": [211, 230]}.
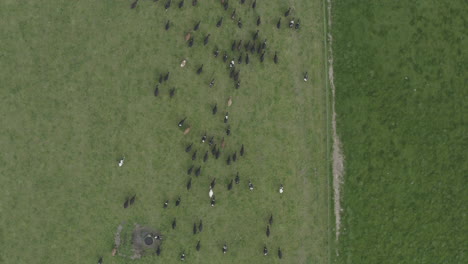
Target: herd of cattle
{"type": "Point", "coordinates": [252, 47]}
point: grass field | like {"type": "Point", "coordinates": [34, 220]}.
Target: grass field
{"type": "Point", "coordinates": [400, 73]}
{"type": "Point", "coordinates": [77, 93]}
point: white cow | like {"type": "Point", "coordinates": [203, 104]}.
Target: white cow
{"type": "Point", "coordinates": [121, 161]}
{"type": "Point", "coordinates": [281, 189]}
{"type": "Point", "coordinates": [210, 193]}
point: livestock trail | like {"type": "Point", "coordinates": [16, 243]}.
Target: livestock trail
{"type": "Point", "coordinates": [196, 129]}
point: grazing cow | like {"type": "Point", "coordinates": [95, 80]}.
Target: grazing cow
{"type": "Point", "coordinates": [251, 186]}
{"type": "Point", "coordinates": [134, 4]}
{"type": "Point", "coordinates": [114, 252]}
{"type": "Point", "coordinates": [236, 76]}
{"type": "Point", "coordinates": [259, 48]}
{"type": "Point", "coordinates": [168, 4]}
{"type": "Point", "coordinates": [275, 59]}
{"type": "Point", "coordinates": [228, 161]}
{"type": "Point", "coordinates": [280, 254]}
{"type": "Point", "coordinates": [166, 203]}
{"type": "Point", "coordinates": [225, 56]}
{"type": "Point", "coordinates": [158, 251]}
{"type": "Point", "coordinates": [182, 256]}
{"type": "Point", "coordinates": [203, 139]}
{"type": "Point", "coordinates": [237, 87]}
{"type": "Point", "coordinates": [197, 26]}
{"type": "Point", "coordinates": [167, 25]}
{"type": "Point", "coordinates": [306, 77]}
{"type": "Point", "coordinates": [121, 161]}
{"type": "Point", "coordinates": [126, 203]}
{"type": "Point", "coordinates": [213, 201]}
{"type": "Point", "coordinates": [271, 219]}
{"type": "Point", "coordinates": [281, 189]}
{"type": "Point", "coordinates": [298, 25]}
{"type": "Point", "coordinates": [181, 122]}
{"type": "Point", "coordinates": [239, 60]}
{"type": "Point", "coordinates": [242, 2]}
{"type": "Point", "coordinates": [223, 143]}
{"type": "Point", "coordinates": [194, 2]}
{"type": "Point", "coordinates": [239, 45]}
{"type": "Point", "coordinates": [233, 14]}
{"type": "Point", "coordinates": [265, 251]}
{"type": "Point", "coordinates": [205, 158]}
{"type": "Point", "coordinates": [177, 202]}
{"type": "Point", "coordinates": [210, 193]}
{"type": "Point", "coordinates": [247, 60]}
{"type": "Point", "coordinates": [254, 4]}
{"type": "Point", "coordinates": [213, 150]}
{"type": "Point", "coordinates": [291, 23]}
{"type": "Point", "coordinates": [217, 154]}
{"type": "Point", "coordinates": [234, 156]}
{"type": "Point", "coordinates": [220, 22]}
{"type": "Point", "coordinates": [225, 248]}
{"type": "Point", "coordinates": [278, 25]}
{"type": "Point", "coordinates": [233, 46]}
{"type": "Point", "coordinates": [246, 46]}
{"type": "Point", "coordinates": [156, 91]}
{"type": "Point", "coordinates": [228, 131]}
{"type": "Point", "coordinates": [194, 155]}
{"type": "Point", "coordinates": [286, 14]}
{"type": "Point", "coordinates": [188, 36]}
{"type": "Point", "coordinates": [182, 64]}
{"type": "Point", "coordinates": [174, 223]}
{"type": "Point", "coordinates": [232, 63]}
{"type": "Point", "coordinates": [226, 117]}
{"type": "Point", "coordinates": [237, 179]}
{"type": "Point", "coordinates": [189, 184]}
{"type": "Point", "coordinates": [213, 183]}
{"type": "Point", "coordinates": [229, 187]}
{"type": "Point", "coordinates": [132, 200]}
{"type": "Point", "coordinates": [215, 109]}
{"type": "Point", "coordinates": [229, 102]}
{"type": "Point", "coordinates": [268, 231]}
{"type": "Point", "coordinates": [189, 171]}
{"type": "Point", "coordinates": [187, 130]}
{"type": "Point", "coordinates": [259, 21]}
{"type": "Point", "coordinates": [255, 35]}
{"type": "Point", "coordinates": [160, 78]}
{"type": "Point", "coordinates": [172, 92]}
{"type": "Point", "coordinates": [198, 171]}
{"type": "Point", "coordinates": [200, 70]}
{"type": "Point", "coordinates": [239, 23]}
{"type": "Point", "coordinates": [264, 44]}
{"type": "Point", "coordinates": [262, 57]}
{"type": "Point", "coordinates": [212, 83]}
{"type": "Point", "coordinates": [189, 147]}
{"type": "Point", "coordinates": [197, 247]}
{"type": "Point", "coordinates": [181, 4]}
{"type": "Point", "coordinates": [207, 38]}
{"type": "Point", "coordinates": [252, 48]}
{"type": "Point", "coordinates": [226, 5]}
{"type": "Point", "coordinates": [216, 53]}
{"type": "Point", "coordinates": [194, 228]}
{"type": "Point", "coordinates": [100, 260]}
{"type": "Point", "coordinates": [190, 43]}
{"type": "Point", "coordinates": [200, 226]}
{"type": "Point", "coordinates": [166, 77]}
{"type": "Point", "coordinates": [242, 150]}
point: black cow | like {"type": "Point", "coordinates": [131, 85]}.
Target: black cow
{"type": "Point", "coordinates": [188, 148]}
{"type": "Point", "coordinates": [228, 161]}
{"type": "Point", "coordinates": [233, 14]}
{"type": "Point", "coordinates": [205, 158]}
{"type": "Point", "coordinates": [100, 260]}
{"type": "Point", "coordinates": [217, 154]}
{"type": "Point", "coordinates": [298, 25]}
{"type": "Point", "coordinates": [259, 21]}
{"type": "Point", "coordinates": [168, 25]}
{"type": "Point", "coordinates": [215, 109]}
{"type": "Point", "coordinates": [177, 202]}
{"type": "Point", "coordinates": [239, 23]}
{"type": "Point", "coordinates": [161, 78]}
{"type": "Point", "coordinates": [228, 131]}
{"type": "Point", "coordinates": [264, 44]}
{"type": "Point", "coordinates": [200, 70]}
{"type": "Point", "coordinates": [194, 2]}
{"type": "Point", "coordinates": [156, 91]}
{"type": "Point", "coordinates": [189, 171]}
{"type": "Point", "coordinates": [242, 150]}
{"type": "Point", "coordinates": [200, 226]}
{"type": "Point", "coordinates": [286, 14]}
{"type": "Point", "coordinates": [132, 200]}
{"type": "Point", "coordinates": [271, 219]}
{"type": "Point", "coordinates": [198, 171]}
{"type": "Point", "coordinates": [229, 187]}
{"type": "Point", "coordinates": [168, 4]}
{"type": "Point", "coordinates": [225, 57]}
{"type": "Point", "coordinates": [275, 59]}
{"type": "Point", "coordinates": [233, 46]}
{"type": "Point", "coordinates": [211, 141]}
{"type": "Point", "coordinates": [237, 179]}
{"type": "Point", "coordinates": [239, 60]}
{"type": "Point", "coordinates": [158, 251]}
{"type": "Point", "coordinates": [197, 26]}
{"type": "Point", "coordinates": [194, 228]}
{"type": "Point", "coordinates": [190, 42]}
{"type": "Point", "coordinates": [234, 156]}
{"type": "Point", "coordinates": [174, 223]}
{"type": "Point", "coordinates": [213, 150]}
{"type": "Point", "coordinates": [189, 184]}
{"type": "Point", "coordinates": [252, 48]}
{"type": "Point", "coordinates": [237, 87]}
{"type": "Point", "coordinates": [255, 36]}
{"type": "Point", "coordinates": [181, 122]}
{"type": "Point", "coordinates": [166, 77]}
{"type": "Point", "coordinates": [172, 92]}
{"type": "Point", "coordinates": [213, 183]}
{"type": "Point", "coordinates": [207, 38]}
{"type": "Point", "coordinates": [194, 155]}
{"type": "Point", "coordinates": [262, 57]}
{"type": "Point", "coordinates": [198, 246]}
{"type": "Point", "coordinates": [216, 53]}
{"type": "Point", "coordinates": [254, 4]}
{"type": "Point", "coordinates": [134, 4]}
{"type": "Point", "coordinates": [126, 203]}
{"type": "Point", "coordinates": [226, 5]}
{"type": "Point", "coordinates": [278, 25]}
{"type": "Point", "coordinates": [247, 59]}
{"type": "Point", "coordinates": [181, 4]}
{"type": "Point", "coordinates": [268, 231]}
{"type": "Point", "coordinates": [220, 22]}
{"type": "Point", "coordinates": [239, 45]}
{"type": "Point", "coordinates": [280, 254]}
{"type": "Point", "coordinates": [242, 2]}
{"type": "Point", "coordinates": [247, 46]}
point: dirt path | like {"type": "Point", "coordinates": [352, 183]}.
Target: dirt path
{"type": "Point", "coordinates": [338, 158]}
